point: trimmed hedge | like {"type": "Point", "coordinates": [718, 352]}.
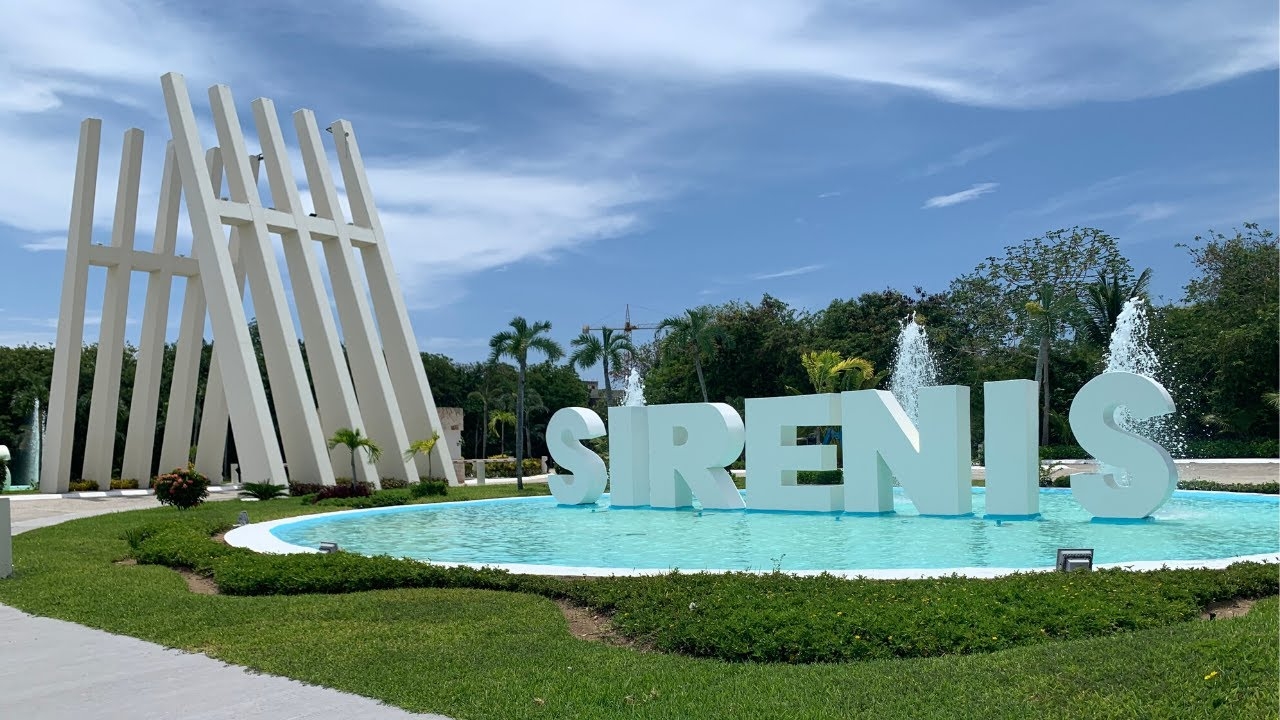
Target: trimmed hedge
{"type": "Point", "coordinates": [507, 468]}
{"type": "Point", "coordinates": [1264, 488]}
{"type": "Point", "coordinates": [764, 618]}
{"type": "Point", "coordinates": [1196, 449]}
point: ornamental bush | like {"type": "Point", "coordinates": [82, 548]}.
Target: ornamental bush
{"type": "Point", "coordinates": [182, 488]}
{"type": "Point", "coordinates": [83, 486]}
{"type": "Point", "coordinates": [124, 484]}
{"type": "Point", "coordinates": [506, 467]}
{"type": "Point", "coordinates": [348, 490]}
{"type": "Point", "coordinates": [426, 487]}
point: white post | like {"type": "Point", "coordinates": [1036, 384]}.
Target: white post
{"type": "Point", "coordinates": [6, 540]}
{"type": "Point", "coordinates": [255, 437]}
{"type": "Point", "coordinates": [175, 449]}
{"type": "Point", "coordinates": [335, 393]}
{"type": "Point", "coordinates": [378, 402]}
{"type": "Point", "coordinates": [104, 403]}
{"type": "Point", "coordinates": [139, 444]}
{"type": "Point", "coordinates": [404, 358]}
{"type": "Point", "coordinates": [211, 442]}
{"type": "Point", "coordinates": [55, 471]}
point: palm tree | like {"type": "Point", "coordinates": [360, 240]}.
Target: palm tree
{"type": "Point", "coordinates": [606, 349]}
{"type": "Point", "coordinates": [532, 404]}
{"type": "Point", "coordinates": [498, 422]}
{"type": "Point", "coordinates": [516, 344]}
{"type": "Point", "coordinates": [421, 447]}
{"type": "Point", "coordinates": [490, 397]}
{"type": "Point", "coordinates": [1104, 300]}
{"type": "Point", "coordinates": [696, 333]}
{"type": "Point", "coordinates": [354, 440]}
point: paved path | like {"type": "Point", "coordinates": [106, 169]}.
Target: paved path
{"type": "Point", "coordinates": [55, 669]}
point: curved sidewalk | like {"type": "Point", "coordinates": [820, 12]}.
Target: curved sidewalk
{"type": "Point", "coordinates": [71, 672]}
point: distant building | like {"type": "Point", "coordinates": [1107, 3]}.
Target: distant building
{"type": "Point", "coordinates": [595, 393]}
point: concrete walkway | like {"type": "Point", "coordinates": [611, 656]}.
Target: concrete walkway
{"type": "Point", "coordinates": [57, 670]}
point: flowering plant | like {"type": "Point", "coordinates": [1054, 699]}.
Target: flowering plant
{"type": "Point", "coordinates": [182, 488]}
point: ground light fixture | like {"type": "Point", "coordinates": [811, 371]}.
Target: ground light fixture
{"type": "Point", "coordinates": [328, 547]}
{"type": "Point", "coordinates": [1072, 559]}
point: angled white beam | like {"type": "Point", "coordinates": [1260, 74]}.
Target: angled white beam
{"type": "Point", "coordinates": [140, 437]}
{"type": "Point", "coordinates": [211, 443]}
{"type": "Point", "coordinates": [175, 447]}
{"type": "Point", "coordinates": [298, 420]}
{"type": "Point", "coordinates": [256, 446]}
{"type": "Point", "coordinates": [404, 358]}
{"type": "Point", "coordinates": [379, 406]}
{"type": "Point", "coordinates": [332, 379]}
{"type": "Point", "coordinates": [55, 466]}
{"type": "Point", "coordinates": [104, 402]}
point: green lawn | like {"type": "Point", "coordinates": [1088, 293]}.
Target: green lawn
{"type": "Point", "coordinates": [484, 654]}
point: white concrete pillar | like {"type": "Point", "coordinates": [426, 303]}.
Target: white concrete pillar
{"type": "Point", "coordinates": [404, 358]}
{"type": "Point", "coordinates": [335, 393]}
{"type": "Point", "coordinates": [256, 445]}
{"type": "Point", "coordinates": [104, 403]}
{"type": "Point", "coordinates": [211, 442]}
{"type": "Point", "coordinates": [379, 407]}
{"type": "Point", "coordinates": [175, 447]}
{"type": "Point", "coordinates": [55, 468]}
{"type": "Point", "coordinates": [297, 418]}
{"type": "Point", "coordinates": [6, 539]}
{"type": "Point", "coordinates": [139, 446]}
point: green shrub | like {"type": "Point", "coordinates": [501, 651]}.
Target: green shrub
{"type": "Point", "coordinates": [297, 489]}
{"type": "Point", "coordinates": [382, 498]}
{"type": "Point", "coordinates": [1267, 448]}
{"type": "Point", "coordinates": [1270, 488]}
{"type": "Point", "coordinates": [426, 487]}
{"type": "Point", "coordinates": [83, 486]}
{"type": "Point", "coordinates": [391, 483]}
{"type": "Point", "coordinates": [506, 467]}
{"type": "Point", "coordinates": [819, 477]}
{"type": "Point", "coordinates": [124, 484]}
{"type": "Point", "coordinates": [263, 490]}
{"type": "Point", "coordinates": [183, 488]}
{"type": "Point", "coordinates": [771, 617]}
{"type": "Point", "coordinates": [348, 490]}
{"type": "Point", "coordinates": [1063, 452]}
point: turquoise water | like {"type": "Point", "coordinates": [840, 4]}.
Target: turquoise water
{"type": "Point", "coordinates": [537, 531]}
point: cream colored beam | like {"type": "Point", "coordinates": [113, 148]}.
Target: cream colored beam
{"type": "Point", "coordinates": [404, 358]}
{"type": "Point", "coordinates": [211, 443]}
{"type": "Point", "coordinates": [298, 420]}
{"type": "Point", "coordinates": [331, 377]}
{"type": "Point", "coordinates": [378, 404]}
{"type": "Point", "coordinates": [140, 437]}
{"type": "Point", "coordinates": [142, 261]}
{"type": "Point", "coordinates": [55, 466]}
{"type": "Point", "coordinates": [104, 401]}
{"type": "Point", "coordinates": [256, 446]}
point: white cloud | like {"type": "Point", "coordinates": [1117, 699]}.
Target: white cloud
{"type": "Point", "coordinates": [1035, 55]}
{"type": "Point", "coordinates": [955, 198]}
{"type": "Point", "coordinates": [964, 157]}
{"type": "Point", "coordinates": [790, 272]}
{"type": "Point", "coordinates": [446, 219]}
{"type": "Point", "coordinates": [49, 244]}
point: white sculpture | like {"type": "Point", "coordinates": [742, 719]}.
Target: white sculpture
{"type": "Point", "coordinates": [773, 456]}
{"type": "Point", "coordinates": [5, 457]}
{"type": "Point", "coordinates": [385, 368]}
{"type": "Point", "coordinates": [587, 477]}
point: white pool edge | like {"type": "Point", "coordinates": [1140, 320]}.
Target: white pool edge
{"type": "Point", "coordinates": [259, 538]}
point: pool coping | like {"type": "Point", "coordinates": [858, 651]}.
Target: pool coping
{"type": "Point", "coordinates": [259, 538]}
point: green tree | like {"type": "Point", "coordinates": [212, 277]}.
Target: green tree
{"type": "Point", "coordinates": [1032, 294]}
{"type": "Point", "coordinates": [607, 349]}
{"type": "Point", "coordinates": [421, 447]}
{"type": "Point", "coordinates": [1104, 301]}
{"type": "Point", "coordinates": [696, 334]}
{"type": "Point", "coordinates": [516, 344]}
{"type": "Point", "coordinates": [1225, 336]}
{"type": "Point", "coordinates": [355, 441]}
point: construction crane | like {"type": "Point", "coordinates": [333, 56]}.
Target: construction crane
{"type": "Point", "coordinates": [627, 325]}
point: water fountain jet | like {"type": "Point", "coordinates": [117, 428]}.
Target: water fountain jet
{"type": "Point", "coordinates": [913, 366]}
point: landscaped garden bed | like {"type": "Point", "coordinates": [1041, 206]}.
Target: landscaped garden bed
{"type": "Point", "coordinates": [1095, 644]}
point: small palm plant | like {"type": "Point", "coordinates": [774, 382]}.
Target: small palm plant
{"type": "Point", "coordinates": [422, 447]}
{"type": "Point", "coordinates": [263, 490]}
{"type": "Point", "coordinates": [354, 440]}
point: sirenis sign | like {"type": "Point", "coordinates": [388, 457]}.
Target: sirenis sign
{"type": "Point", "coordinates": [664, 456]}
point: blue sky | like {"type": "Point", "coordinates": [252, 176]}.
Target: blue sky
{"type": "Point", "coordinates": [560, 159]}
